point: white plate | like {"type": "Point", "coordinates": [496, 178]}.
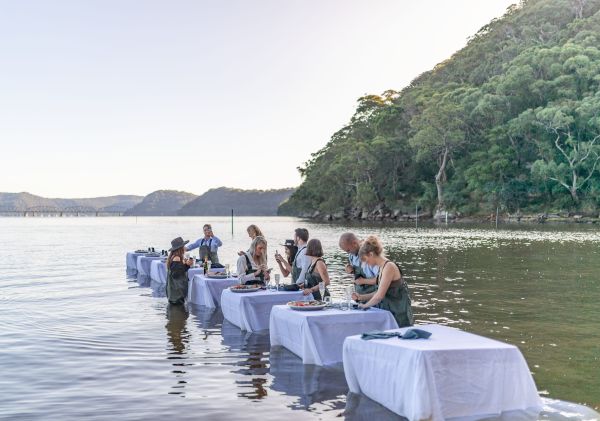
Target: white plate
{"type": "Point", "coordinates": [308, 308]}
{"type": "Point", "coordinates": [217, 276]}
{"type": "Point", "coordinates": [244, 289]}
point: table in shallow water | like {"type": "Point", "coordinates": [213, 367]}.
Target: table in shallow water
{"type": "Point", "coordinates": [451, 374]}
{"type": "Point", "coordinates": [131, 261]}
{"type": "Point", "coordinates": [158, 271]}
{"type": "Point", "coordinates": [251, 310]}
{"type": "Point", "coordinates": [317, 337]}
{"type": "Point", "coordinates": [207, 292]}
{"type": "Point", "coordinates": [143, 264]}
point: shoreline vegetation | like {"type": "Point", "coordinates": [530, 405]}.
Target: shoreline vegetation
{"type": "Point", "coordinates": [397, 216]}
{"type": "Point", "coordinates": [508, 124]}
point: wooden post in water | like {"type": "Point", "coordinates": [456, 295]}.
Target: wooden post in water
{"type": "Point", "coordinates": [496, 217]}
{"type": "Point", "coordinates": [417, 217]}
{"type": "Point", "coordinates": [231, 221]}
{"type": "Point", "coordinates": [446, 217]}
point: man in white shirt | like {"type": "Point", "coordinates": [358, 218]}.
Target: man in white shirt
{"type": "Point", "coordinates": [301, 263]}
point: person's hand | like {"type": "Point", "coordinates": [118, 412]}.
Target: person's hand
{"type": "Point", "coordinates": [278, 257]}
{"type": "Point", "coordinates": [307, 291]}
{"type": "Point", "coordinates": [263, 268]}
{"type": "Point", "coordinates": [267, 276]}
{"type": "Point", "coordinates": [358, 281]}
{"type": "Point", "coordinates": [349, 269]}
{"type": "Point", "coordinates": [189, 261]}
{"type": "Point", "coordinates": [363, 306]}
{"type": "Point", "coordinates": [355, 296]}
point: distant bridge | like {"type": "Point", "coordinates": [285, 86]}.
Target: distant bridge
{"type": "Point", "coordinates": [68, 211]}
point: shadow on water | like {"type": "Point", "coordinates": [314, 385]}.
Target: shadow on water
{"type": "Point", "coordinates": [178, 338]}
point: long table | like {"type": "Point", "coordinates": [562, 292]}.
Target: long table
{"type": "Point", "coordinates": [251, 310]}
{"type": "Point", "coordinates": [143, 264]}
{"type": "Point", "coordinates": [451, 374]}
{"type": "Point", "coordinates": [317, 337]}
{"type": "Point", "coordinates": [131, 262]}
{"type": "Point", "coordinates": [158, 271]}
{"type": "Point", "coordinates": [207, 292]}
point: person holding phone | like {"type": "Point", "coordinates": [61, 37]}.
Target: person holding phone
{"type": "Point", "coordinates": [252, 265]}
{"type": "Point", "coordinates": [177, 269]}
{"type": "Point", "coordinates": [365, 276]}
{"type": "Point", "coordinates": [285, 262]}
{"type": "Point", "coordinates": [208, 245]}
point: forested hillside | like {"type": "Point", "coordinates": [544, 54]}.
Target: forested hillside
{"type": "Point", "coordinates": [510, 121]}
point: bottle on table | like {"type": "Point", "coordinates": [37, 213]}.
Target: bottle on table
{"type": "Point", "coordinates": [206, 265]}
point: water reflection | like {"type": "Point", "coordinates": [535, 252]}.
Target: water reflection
{"type": "Point", "coordinates": [309, 383]}
{"type": "Point", "coordinates": [252, 355]}
{"type": "Point", "coordinates": [179, 338]}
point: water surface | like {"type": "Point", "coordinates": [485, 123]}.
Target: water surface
{"type": "Point", "coordinates": [79, 339]}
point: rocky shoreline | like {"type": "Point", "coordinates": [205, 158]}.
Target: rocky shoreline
{"type": "Point", "coordinates": [386, 215]}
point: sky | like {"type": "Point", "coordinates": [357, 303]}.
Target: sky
{"type": "Point", "coordinates": [105, 97]}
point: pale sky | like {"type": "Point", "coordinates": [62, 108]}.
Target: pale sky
{"type": "Point", "coordinates": [103, 97]}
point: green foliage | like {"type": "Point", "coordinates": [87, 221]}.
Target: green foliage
{"type": "Point", "coordinates": [511, 121]}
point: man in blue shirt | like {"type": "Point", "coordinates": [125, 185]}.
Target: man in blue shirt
{"type": "Point", "coordinates": [365, 276]}
{"type": "Point", "coordinates": [208, 245]}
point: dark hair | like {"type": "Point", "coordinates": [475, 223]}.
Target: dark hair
{"type": "Point", "coordinates": [177, 252]}
{"type": "Point", "coordinates": [293, 250]}
{"type": "Point", "coordinates": [301, 233]}
{"type": "Point", "coordinates": [207, 226]}
{"type": "Point", "coordinates": [314, 248]}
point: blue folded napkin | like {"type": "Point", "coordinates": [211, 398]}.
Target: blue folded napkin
{"type": "Point", "coordinates": [409, 334]}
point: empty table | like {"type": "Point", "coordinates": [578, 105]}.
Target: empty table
{"type": "Point", "coordinates": [131, 262]}
{"type": "Point", "coordinates": [143, 264]}
{"type": "Point", "coordinates": [207, 292]}
{"type": "Point", "coordinates": [451, 374]}
{"type": "Point", "coordinates": [317, 337]}
{"type": "Point", "coordinates": [251, 310]}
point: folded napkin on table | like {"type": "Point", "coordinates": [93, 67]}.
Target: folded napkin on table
{"type": "Point", "coordinates": [409, 334]}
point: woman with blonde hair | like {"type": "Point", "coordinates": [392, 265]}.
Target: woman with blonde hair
{"type": "Point", "coordinates": [252, 265]}
{"type": "Point", "coordinates": [253, 232]}
{"type": "Point", "coordinates": [392, 291]}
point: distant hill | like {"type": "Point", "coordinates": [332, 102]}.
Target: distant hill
{"type": "Point", "coordinates": [161, 203]}
{"type": "Point", "coordinates": [23, 201]}
{"type": "Point", "coordinates": [220, 201]}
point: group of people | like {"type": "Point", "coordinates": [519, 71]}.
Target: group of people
{"type": "Point", "coordinates": [378, 281]}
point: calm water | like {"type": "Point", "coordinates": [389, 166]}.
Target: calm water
{"type": "Point", "coordinates": [79, 339]}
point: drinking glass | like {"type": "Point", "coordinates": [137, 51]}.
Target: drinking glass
{"type": "Point", "coordinates": [327, 300]}
{"type": "Point", "coordinates": [272, 286]}
{"type": "Point", "coordinates": [227, 267]}
{"type": "Point", "coordinates": [277, 279]}
{"type": "Point", "coordinates": [322, 289]}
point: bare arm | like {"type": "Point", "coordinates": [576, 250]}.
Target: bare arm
{"type": "Point", "coordinates": [365, 281]}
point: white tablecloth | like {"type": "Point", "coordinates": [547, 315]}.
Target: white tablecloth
{"type": "Point", "coordinates": [158, 271]}
{"type": "Point", "coordinates": [200, 271]}
{"type": "Point", "coordinates": [250, 310]}
{"type": "Point", "coordinates": [451, 374]}
{"type": "Point", "coordinates": [207, 292]}
{"type": "Point", "coordinates": [318, 336]}
{"type": "Point", "coordinates": [143, 264]}
{"type": "Point", "coordinates": [131, 261]}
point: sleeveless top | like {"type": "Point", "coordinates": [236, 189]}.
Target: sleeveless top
{"type": "Point", "coordinates": [313, 279]}
{"type": "Point", "coordinates": [397, 299]}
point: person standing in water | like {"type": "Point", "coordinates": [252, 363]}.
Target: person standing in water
{"type": "Point", "coordinates": [365, 276]}
{"type": "Point", "coordinates": [208, 245]}
{"type": "Point", "coordinates": [177, 268]}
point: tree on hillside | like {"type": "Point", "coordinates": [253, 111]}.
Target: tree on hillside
{"type": "Point", "coordinates": [571, 157]}
{"type": "Point", "coordinates": [439, 133]}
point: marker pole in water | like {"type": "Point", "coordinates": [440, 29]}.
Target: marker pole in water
{"type": "Point", "coordinates": [416, 217]}
{"type": "Point", "coordinates": [496, 217]}
{"type": "Point", "coordinates": [231, 221]}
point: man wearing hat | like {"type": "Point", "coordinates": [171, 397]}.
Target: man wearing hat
{"type": "Point", "coordinates": [177, 268]}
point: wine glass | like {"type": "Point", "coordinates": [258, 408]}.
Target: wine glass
{"type": "Point", "coordinates": [322, 289]}
{"type": "Point", "coordinates": [227, 267]}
